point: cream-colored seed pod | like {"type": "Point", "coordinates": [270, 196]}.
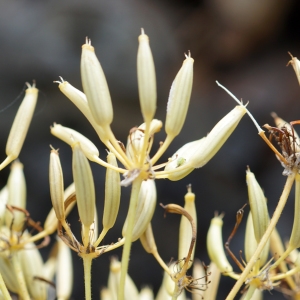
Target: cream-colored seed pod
{"type": "Point", "coordinates": [217, 137]}
{"type": "Point", "coordinates": [146, 293]}
{"type": "Point", "coordinates": [16, 197]}
{"type": "Point", "coordinates": [8, 274]}
{"type": "Point", "coordinates": [32, 266]}
{"type": "Point", "coordinates": [20, 125]}
{"type": "Point", "coordinates": [71, 136]}
{"type": "Point", "coordinates": [84, 184]}
{"type": "Point", "coordinates": [185, 230]}
{"type": "Point", "coordinates": [3, 202]}
{"type": "Point", "coordinates": [144, 211]}
{"type": "Point", "coordinates": [258, 206]}
{"type": "Point", "coordinates": [211, 292]}
{"type": "Point", "coordinates": [179, 98]}
{"type": "Point", "coordinates": [215, 245]}
{"type": "Point", "coordinates": [112, 194]}
{"type": "Point", "coordinates": [296, 65]}
{"type": "Point", "coordinates": [56, 182]}
{"type": "Point", "coordinates": [148, 241]}
{"type": "Point", "coordinates": [64, 273]}
{"type": "Point", "coordinates": [105, 294]}
{"type": "Point", "coordinates": [131, 292]}
{"type": "Point", "coordinates": [95, 87]}
{"type": "Point", "coordinates": [146, 78]}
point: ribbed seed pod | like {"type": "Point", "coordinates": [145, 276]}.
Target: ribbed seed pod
{"type": "Point", "coordinates": [95, 86]}
{"type": "Point", "coordinates": [144, 211]}
{"type": "Point", "coordinates": [215, 245]}
{"type": "Point", "coordinates": [258, 206]}
{"type": "Point", "coordinates": [296, 65]}
{"type": "Point", "coordinates": [20, 125]}
{"type": "Point", "coordinates": [32, 266]}
{"type": "Point", "coordinates": [84, 184]}
{"type": "Point", "coordinates": [56, 181]}
{"type": "Point", "coordinates": [71, 136]}
{"type": "Point", "coordinates": [16, 196]}
{"type": "Point", "coordinates": [185, 230]}
{"type": "Point", "coordinates": [179, 98]}
{"type": "Point", "coordinates": [64, 273]}
{"type": "Point", "coordinates": [251, 243]}
{"type": "Point", "coordinates": [182, 157]}
{"type": "Point", "coordinates": [112, 194]}
{"type": "Point", "coordinates": [295, 236]}
{"type": "Point", "coordinates": [146, 78]}
{"type": "Point", "coordinates": [131, 292]}
{"type": "Point", "coordinates": [217, 137]}
{"type": "Point", "coordinates": [3, 202]}
{"type": "Point", "coordinates": [147, 240]}
{"type": "Point", "coordinates": [146, 293]}
{"type": "Point", "coordinates": [211, 292]}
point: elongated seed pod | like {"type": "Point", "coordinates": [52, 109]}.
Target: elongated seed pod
{"type": "Point", "coordinates": [16, 196]}
{"type": "Point", "coordinates": [20, 125]}
{"type": "Point", "coordinates": [3, 202]}
{"type": "Point", "coordinates": [185, 230]}
{"type": "Point", "coordinates": [56, 182]}
{"type": "Point", "coordinates": [147, 240]}
{"type": "Point", "coordinates": [71, 136]}
{"type": "Point", "coordinates": [146, 78]}
{"type": "Point", "coordinates": [215, 246]}
{"type": "Point", "coordinates": [8, 273]}
{"type": "Point", "coordinates": [144, 211]}
{"type": "Point", "coordinates": [95, 86]}
{"type": "Point", "coordinates": [112, 194]}
{"type": "Point", "coordinates": [179, 98]}
{"type": "Point", "coordinates": [217, 137]}
{"type": "Point", "coordinates": [296, 65]}
{"type": "Point", "coordinates": [84, 184]}
{"type": "Point", "coordinates": [258, 206]}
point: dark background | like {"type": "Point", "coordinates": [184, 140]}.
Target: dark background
{"type": "Point", "coordinates": [242, 44]}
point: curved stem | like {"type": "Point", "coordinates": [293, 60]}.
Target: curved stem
{"type": "Point", "coordinates": [128, 236]}
{"type": "Point", "coordinates": [265, 237]}
{"type": "Point", "coordinates": [23, 292]}
{"type": "Point", "coordinates": [87, 264]}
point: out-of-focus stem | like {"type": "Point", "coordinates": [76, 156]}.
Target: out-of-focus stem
{"type": "Point", "coordinates": [87, 264]}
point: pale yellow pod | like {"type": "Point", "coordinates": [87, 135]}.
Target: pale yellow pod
{"type": "Point", "coordinates": [64, 272]}
{"type": "Point", "coordinates": [32, 266]}
{"type": "Point", "coordinates": [56, 182]}
{"type": "Point", "coordinates": [296, 65]}
{"type": "Point", "coordinates": [3, 202]}
{"type": "Point", "coordinates": [258, 206]}
{"type": "Point", "coordinates": [215, 246]}
{"type": "Point", "coordinates": [70, 136]}
{"type": "Point", "coordinates": [147, 240]}
{"type": "Point", "coordinates": [179, 98]}
{"type": "Point", "coordinates": [16, 197]}
{"type": "Point", "coordinates": [20, 125]}
{"type": "Point", "coordinates": [146, 78]}
{"type": "Point", "coordinates": [8, 274]}
{"type": "Point", "coordinates": [95, 87]}
{"type": "Point", "coordinates": [295, 236]}
{"type": "Point", "coordinates": [217, 137]}
{"type": "Point", "coordinates": [84, 184]}
{"type": "Point", "coordinates": [185, 229]}
{"type": "Point", "coordinates": [112, 193]}
{"type": "Point", "coordinates": [105, 294]}
{"type": "Point", "coordinates": [146, 293]}
{"type": "Point", "coordinates": [131, 291]}
{"type": "Point", "coordinates": [144, 211]}
{"type": "Point", "coordinates": [214, 277]}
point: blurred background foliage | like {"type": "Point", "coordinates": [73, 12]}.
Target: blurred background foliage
{"type": "Point", "coordinates": [242, 44]}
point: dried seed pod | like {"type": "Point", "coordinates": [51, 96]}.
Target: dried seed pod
{"type": "Point", "coordinates": [95, 86]}
{"type": "Point", "coordinates": [84, 184]}
{"type": "Point", "coordinates": [131, 292]}
{"type": "Point", "coordinates": [112, 194]}
{"type": "Point", "coordinates": [258, 206]}
{"type": "Point", "coordinates": [56, 181]}
{"type": "Point", "coordinates": [71, 136]}
{"type": "Point", "coordinates": [185, 230]}
{"type": "Point", "coordinates": [20, 125]}
{"type": "Point", "coordinates": [16, 197]}
{"type": "Point", "coordinates": [144, 211]}
{"type": "Point", "coordinates": [215, 245]}
{"type": "Point", "coordinates": [179, 98]}
{"type": "Point", "coordinates": [64, 273]}
{"type": "Point", "coordinates": [146, 78]}
{"type": "Point", "coordinates": [217, 137]}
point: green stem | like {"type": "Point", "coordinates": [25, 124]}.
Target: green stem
{"type": "Point", "coordinates": [265, 237]}
{"type": "Point", "coordinates": [3, 289]}
{"type": "Point", "coordinates": [23, 292]}
{"type": "Point", "coordinates": [128, 236]}
{"type": "Point", "coordinates": [87, 264]}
